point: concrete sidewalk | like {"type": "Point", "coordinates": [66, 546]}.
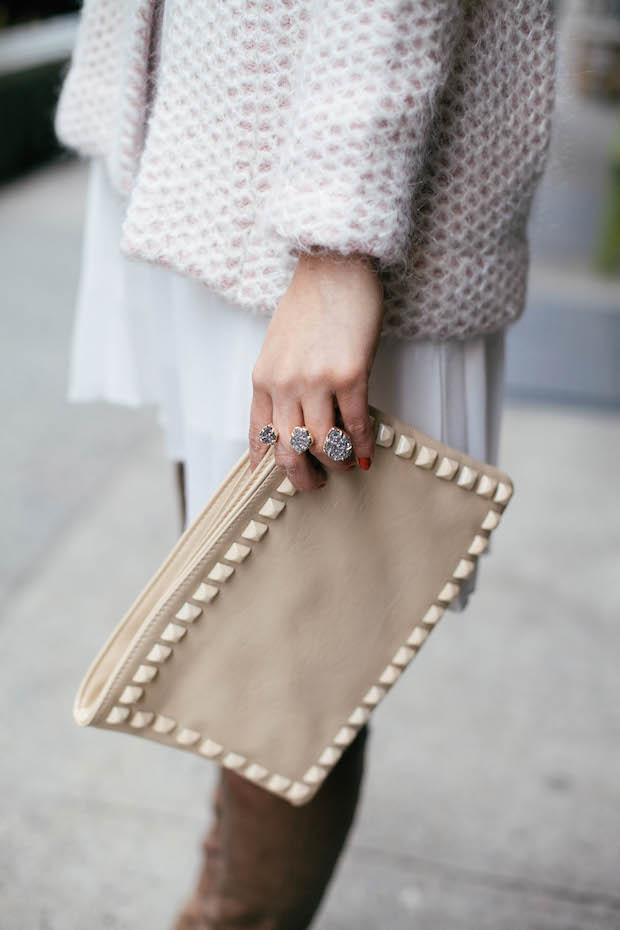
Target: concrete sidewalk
{"type": "Point", "coordinates": [492, 794]}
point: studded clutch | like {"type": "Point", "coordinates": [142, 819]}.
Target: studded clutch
{"type": "Point", "coordinates": [281, 619]}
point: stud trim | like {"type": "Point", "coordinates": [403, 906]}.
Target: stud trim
{"type": "Point", "coordinates": [220, 572]}
{"type": "Point", "coordinates": [173, 633]}
{"type": "Point", "coordinates": [159, 653]}
{"type": "Point", "coordinates": [426, 457]}
{"type": "Point", "coordinates": [296, 791]}
{"type": "Point", "coordinates": [188, 612]}
{"type": "Point", "coordinates": [237, 552]}
{"type": "Point", "coordinates": [405, 447]}
{"type": "Point", "coordinates": [447, 468]}
{"type": "Point", "coordinates": [144, 674]}
{"type": "Point", "coordinates": [205, 593]}
{"type": "Point", "coordinates": [164, 724]}
{"type": "Point", "coordinates": [255, 530]}
{"type": "Point", "coordinates": [385, 435]}
{"type": "Point", "coordinates": [272, 508]}
{"type": "Point", "coordinates": [187, 737]}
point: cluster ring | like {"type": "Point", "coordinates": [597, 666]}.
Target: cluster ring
{"type": "Point", "coordinates": [268, 434]}
{"type": "Point", "coordinates": [301, 439]}
{"type": "Point", "coordinates": [338, 445]}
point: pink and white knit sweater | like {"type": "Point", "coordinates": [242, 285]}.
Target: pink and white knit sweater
{"type": "Point", "coordinates": [414, 131]}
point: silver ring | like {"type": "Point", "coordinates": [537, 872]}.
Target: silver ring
{"type": "Point", "coordinates": [268, 434]}
{"type": "Point", "coordinates": [338, 445]}
{"type": "Point", "coordinates": [301, 439]}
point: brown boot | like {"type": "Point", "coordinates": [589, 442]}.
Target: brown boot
{"type": "Point", "coordinates": [267, 864]}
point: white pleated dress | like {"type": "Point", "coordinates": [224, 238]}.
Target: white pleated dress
{"type": "Point", "coordinates": [144, 335]}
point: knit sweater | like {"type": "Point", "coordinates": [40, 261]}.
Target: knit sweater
{"type": "Point", "coordinates": [412, 131]}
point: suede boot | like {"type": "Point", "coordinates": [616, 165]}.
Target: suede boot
{"type": "Point", "coordinates": [267, 864]}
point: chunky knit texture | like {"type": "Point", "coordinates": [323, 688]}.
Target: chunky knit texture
{"type": "Point", "coordinates": [414, 132]}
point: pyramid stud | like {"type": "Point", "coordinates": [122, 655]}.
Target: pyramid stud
{"type": "Point", "coordinates": [478, 545]}
{"type": "Point", "coordinates": [234, 760]}
{"type": "Point", "coordinates": [463, 569]}
{"type": "Point", "coordinates": [359, 716]}
{"type": "Point", "coordinates": [344, 736]}
{"type": "Point", "coordinates": [272, 508]}
{"type": "Point", "coordinates": [432, 615]}
{"type": "Point", "coordinates": [448, 592]}
{"type": "Point", "coordinates": [255, 772]}
{"type": "Point", "coordinates": [486, 486]}
{"type": "Point", "coordinates": [503, 493]}
{"type": "Point", "coordinates": [426, 457]}
{"type": "Point", "coordinates": [159, 653]}
{"type": "Point", "coordinates": [237, 552]}
{"type": "Point", "coordinates": [278, 783]}
{"type": "Point", "coordinates": [210, 748]}
{"type": "Point", "coordinates": [173, 633]}
{"type": "Point", "coordinates": [417, 637]}
{"type": "Point", "coordinates": [255, 530]}
{"type": "Point", "coordinates": [187, 737]}
{"type": "Point", "coordinates": [205, 593]}
{"type": "Point", "coordinates": [447, 468]}
{"type": "Point", "coordinates": [287, 487]}
{"type": "Point", "coordinates": [220, 572]}
{"type": "Point", "coordinates": [467, 478]}
{"type": "Point", "coordinates": [131, 694]}
{"type": "Point", "coordinates": [404, 447]}
{"type": "Point", "coordinates": [374, 695]}
{"type": "Point", "coordinates": [315, 775]}
{"type": "Point", "coordinates": [490, 521]}
{"type": "Point", "coordinates": [117, 715]}
{"type": "Point", "coordinates": [188, 612]}
{"type": "Point", "coordinates": [403, 657]}
{"type": "Point", "coordinates": [163, 724]}
{"type": "Point", "coordinates": [141, 719]}
{"type": "Point", "coordinates": [144, 674]}
{"type": "Point", "coordinates": [330, 756]}
{"type": "Point", "coordinates": [297, 791]}
{"type": "Point", "coordinates": [385, 435]}
{"type": "Point", "coordinates": [390, 674]}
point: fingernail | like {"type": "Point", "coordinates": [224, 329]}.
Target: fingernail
{"type": "Point", "coordinates": [364, 464]}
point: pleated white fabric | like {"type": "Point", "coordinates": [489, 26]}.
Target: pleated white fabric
{"type": "Point", "coordinates": [145, 335]}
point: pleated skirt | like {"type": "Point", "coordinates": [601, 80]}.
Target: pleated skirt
{"type": "Point", "coordinates": [144, 335]}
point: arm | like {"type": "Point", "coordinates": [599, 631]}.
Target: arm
{"type": "Point", "coordinates": [342, 198]}
{"type": "Point", "coordinates": [361, 111]}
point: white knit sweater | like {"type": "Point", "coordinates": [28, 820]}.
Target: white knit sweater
{"type": "Point", "coordinates": [414, 131]}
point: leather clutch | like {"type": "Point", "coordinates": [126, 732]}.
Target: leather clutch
{"type": "Point", "coordinates": [281, 619]}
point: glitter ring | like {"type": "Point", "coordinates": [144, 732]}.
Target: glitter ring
{"type": "Point", "coordinates": [301, 439]}
{"type": "Point", "coordinates": [338, 445]}
{"type": "Point", "coordinates": [268, 434]}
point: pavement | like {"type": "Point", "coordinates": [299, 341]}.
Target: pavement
{"type": "Point", "coordinates": [491, 797]}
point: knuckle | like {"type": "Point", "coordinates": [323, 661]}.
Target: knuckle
{"type": "Point", "coordinates": [350, 376]}
{"type": "Point", "coordinates": [359, 426]}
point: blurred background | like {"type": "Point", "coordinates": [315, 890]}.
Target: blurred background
{"type": "Point", "coordinates": [492, 795]}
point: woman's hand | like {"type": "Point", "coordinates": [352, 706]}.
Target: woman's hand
{"type": "Point", "coordinates": [317, 354]}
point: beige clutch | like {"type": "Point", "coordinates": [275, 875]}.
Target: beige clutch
{"type": "Point", "coordinates": [281, 619]}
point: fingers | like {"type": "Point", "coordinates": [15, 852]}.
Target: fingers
{"type": "Point", "coordinates": [302, 471]}
{"type": "Point", "coordinates": [261, 413]}
{"type": "Point", "coordinates": [353, 406]}
{"type": "Point", "coordinates": [319, 417]}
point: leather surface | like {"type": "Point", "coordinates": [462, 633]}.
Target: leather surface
{"type": "Point", "coordinates": [286, 653]}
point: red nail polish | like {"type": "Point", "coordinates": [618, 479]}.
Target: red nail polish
{"type": "Point", "coordinates": [364, 464]}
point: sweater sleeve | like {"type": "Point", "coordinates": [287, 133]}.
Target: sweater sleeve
{"type": "Point", "coordinates": [358, 122]}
